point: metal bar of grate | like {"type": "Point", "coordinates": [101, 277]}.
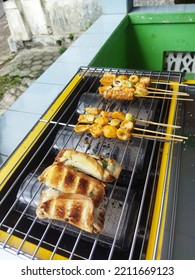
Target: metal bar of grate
{"type": "Point", "coordinates": [142, 202]}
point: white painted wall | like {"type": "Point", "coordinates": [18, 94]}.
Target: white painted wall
{"type": "Point", "coordinates": [72, 15]}
{"type": "Point", "coordinates": [35, 16]}
{"type": "Point", "coordinates": [18, 28]}
{"type": "Point", "coordinates": [45, 21]}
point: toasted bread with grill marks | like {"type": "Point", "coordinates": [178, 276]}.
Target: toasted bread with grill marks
{"type": "Point", "coordinates": [100, 167]}
{"type": "Point", "coordinates": [75, 209]}
{"type": "Point", "coordinates": [68, 180]}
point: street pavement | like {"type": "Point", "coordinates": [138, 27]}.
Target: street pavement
{"type": "Point", "coordinates": [27, 64]}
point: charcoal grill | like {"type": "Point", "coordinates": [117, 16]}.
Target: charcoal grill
{"type": "Point", "coordinates": [130, 201]}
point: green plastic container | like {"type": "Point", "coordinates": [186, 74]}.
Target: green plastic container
{"type": "Point", "coordinates": [142, 39]}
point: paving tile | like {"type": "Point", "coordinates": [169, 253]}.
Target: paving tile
{"type": "Point", "coordinates": [105, 24]}
{"type": "Point", "coordinates": [189, 8]}
{"type": "Point", "coordinates": [59, 73]}
{"type": "Point", "coordinates": [37, 98]}
{"type": "Point", "coordinates": [14, 126]}
{"type": "Point", "coordinates": [113, 18]}
{"type": "Point", "coordinates": [118, 7]}
{"type": "Point", "coordinates": [91, 40]}
{"type": "Point", "coordinates": [146, 9]}
{"type": "Point", "coordinates": [2, 159]}
{"type": "Point", "coordinates": [82, 55]}
{"type": "Point", "coordinates": [170, 8]}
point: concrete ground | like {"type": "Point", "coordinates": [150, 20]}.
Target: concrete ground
{"type": "Point", "coordinates": [27, 65]}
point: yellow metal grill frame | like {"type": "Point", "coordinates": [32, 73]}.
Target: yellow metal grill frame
{"type": "Point", "coordinates": [28, 143]}
{"type": "Point", "coordinates": [153, 251]}
{"type": "Point", "coordinates": [16, 158]}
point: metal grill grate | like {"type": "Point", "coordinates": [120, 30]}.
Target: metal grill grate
{"type": "Point", "coordinates": [129, 201]}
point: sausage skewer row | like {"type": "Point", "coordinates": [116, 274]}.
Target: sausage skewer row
{"type": "Point", "coordinates": [130, 116]}
{"type": "Point", "coordinates": [123, 87]}
{"type": "Point", "coordinates": [138, 120]}
{"type": "Point", "coordinates": [112, 125]}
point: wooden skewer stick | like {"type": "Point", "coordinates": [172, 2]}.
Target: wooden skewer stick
{"type": "Point", "coordinates": [161, 133]}
{"type": "Point", "coordinates": [168, 91]}
{"type": "Point", "coordinates": [168, 83]}
{"type": "Point", "coordinates": [161, 97]}
{"type": "Point", "coordinates": [160, 124]}
{"type": "Point", "coordinates": [157, 137]}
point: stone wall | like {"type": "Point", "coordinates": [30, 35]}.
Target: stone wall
{"type": "Point", "coordinates": [45, 22]}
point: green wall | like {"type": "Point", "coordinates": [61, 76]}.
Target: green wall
{"type": "Point", "coordinates": [115, 52]}
{"type": "Point", "coordinates": [140, 40]}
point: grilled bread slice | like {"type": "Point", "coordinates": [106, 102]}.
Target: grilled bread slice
{"type": "Point", "coordinates": [75, 209]}
{"type": "Point", "coordinates": [68, 180]}
{"type": "Point", "coordinates": [100, 167]}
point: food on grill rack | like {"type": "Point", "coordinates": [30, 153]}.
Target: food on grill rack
{"type": "Point", "coordinates": [134, 79]}
{"type": "Point", "coordinates": [96, 130]}
{"type": "Point", "coordinates": [118, 115]}
{"type": "Point", "coordinates": [88, 118]}
{"type": "Point", "coordinates": [107, 79]}
{"type": "Point", "coordinates": [68, 180]}
{"type": "Point", "coordinates": [81, 128]}
{"type": "Point", "coordinates": [127, 125]}
{"type": "Point", "coordinates": [114, 124]}
{"type": "Point", "coordinates": [145, 80]}
{"type": "Point", "coordinates": [91, 110]}
{"type": "Point", "coordinates": [123, 134]}
{"type": "Point", "coordinates": [100, 167]}
{"type": "Point", "coordinates": [76, 209]}
{"type": "Point", "coordinates": [110, 131]}
{"type": "Point", "coordinates": [123, 87]}
{"type": "Point", "coordinates": [101, 120]}
{"type": "Point", "coordinates": [74, 196]}
{"type": "Point", "coordinates": [119, 93]}
{"type": "Point", "coordinates": [140, 92]}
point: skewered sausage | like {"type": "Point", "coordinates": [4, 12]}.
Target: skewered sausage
{"type": "Point", "coordinates": [114, 124]}
{"type": "Point", "coordinates": [123, 88]}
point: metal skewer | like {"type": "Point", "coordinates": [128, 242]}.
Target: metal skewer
{"type": "Point", "coordinates": [60, 123]}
